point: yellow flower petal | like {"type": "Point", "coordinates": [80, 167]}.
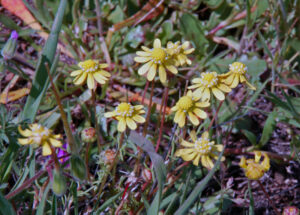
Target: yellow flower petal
{"type": "Point", "coordinates": [224, 88]}
{"type": "Point", "coordinates": [109, 114]}
{"type": "Point", "coordinates": [207, 162]}
{"type": "Point", "coordinates": [25, 133]}
{"type": "Point", "coordinates": [193, 118]}
{"type": "Point", "coordinates": [178, 116]}
{"type": "Point", "coordinates": [235, 81]}
{"type": "Point", "coordinates": [103, 65]}
{"type": "Point", "coordinates": [174, 108]}
{"type": "Point", "coordinates": [218, 94]}
{"type": "Point", "coordinates": [131, 124]}
{"type": "Point", "coordinates": [90, 81]}
{"type": "Point", "coordinates": [25, 141]}
{"type": "Point", "coordinates": [143, 54]}
{"type": "Point", "coordinates": [142, 59]}
{"type": "Point", "coordinates": [138, 107]}
{"type": "Point", "coordinates": [229, 79]}
{"type": "Point", "coordinates": [193, 135]}
{"type": "Point", "coordinates": [266, 162]}
{"type": "Point", "coordinates": [162, 74]}
{"type": "Point", "coordinates": [196, 160]}
{"type": "Point", "coordinates": [188, 157]}
{"type": "Point", "coordinates": [200, 113]}
{"type": "Point", "coordinates": [145, 68]}
{"type": "Point", "coordinates": [99, 78]}
{"type": "Point", "coordinates": [146, 49]}
{"type": "Point", "coordinates": [198, 92]}
{"type": "Point", "coordinates": [76, 72]}
{"type": "Point", "coordinates": [189, 51]}
{"type": "Point", "coordinates": [202, 104]}
{"type": "Point", "coordinates": [139, 119]}
{"type": "Point", "coordinates": [46, 149]}
{"type": "Point", "coordinates": [257, 156]}
{"type": "Point", "coordinates": [172, 69]}
{"type": "Point", "coordinates": [55, 143]}
{"type": "Point", "coordinates": [157, 43]}
{"type": "Point", "coordinates": [205, 135]}
{"type": "Point", "coordinates": [104, 73]}
{"type": "Point", "coordinates": [250, 85]}
{"type": "Point", "coordinates": [186, 143]}
{"type": "Point", "coordinates": [152, 72]}
{"type": "Point", "coordinates": [121, 125]}
{"type": "Point", "coordinates": [80, 78]}
{"type": "Point", "coordinates": [181, 121]}
{"type": "Point", "coordinates": [218, 147]}
{"type": "Point", "coordinates": [186, 151]}
{"type": "Point", "coordinates": [206, 94]}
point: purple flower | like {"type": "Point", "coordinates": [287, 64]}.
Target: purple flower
{"type": "Point", "coordinates": [14, 35]}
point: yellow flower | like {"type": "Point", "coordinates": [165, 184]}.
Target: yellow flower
{"type": "Point", "coordinates": [207, 83]}
{"type": "Point", "coordinates": [179, 52]}
{"type": "Point", "coordinates": [189, 105]}
{"type": "Point", "coordinates": [200, 148]}
{"type": "Point", "coordinates": [254, 169]}
{"type": "Point", "coordinates": [92, 71]}
{"type": "Point", "coordinates": [128, 115]}
{"type": "Point", "coordinates": [236, 74]}
{"type": "Point", "coordinates": [155, 59]}
{"type": "Point", "coordinates": [40, 136]}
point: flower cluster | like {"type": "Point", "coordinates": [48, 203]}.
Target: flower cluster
{"type": "Point", "coordinates": [162, 59]}
{"type": "Point", "coordinates": [39, 135]}
{"type": "Point", "coordinates": [254, 169]}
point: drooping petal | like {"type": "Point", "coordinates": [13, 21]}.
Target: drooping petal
{"type": "Point", "coordinates": [172, 69]}
{"type": "Point", "coordinates": [99, 78]}
{"type": "Point", "coordinates": [162, 74]}
{"type": "Point", "coordinates": [227, 79]}
{"type": "Point", "coordinates": [209, 162]}
{"type": "Point", "coordinates": [185, 45]}
{"type": "Point", "coordinates": [186, 151]}
{"type": "Point", "coordinates": [76, 72]}
{"type": "Point", "coordinates": [46, 149]}
{"type": "Point", "coordinates": [174, 108]}
{"type": "Point", "coordinates": [193, 118]}
{"type": "Point", "coordinates": [187, 144]}
{"type": "Point", "coordinates": [90, 81]}
{"type": "Point", "coordinates": [193, 135]}
{"type": "Point", "coordinates": [25, 132]}
{"type": "Point", "coordinates": [25, 141]}
{"type": "Point", "coordinates": [198, 93]}
{"type": "Point", "coordinates": [157, 43]}
{"type": "Point", "coordinates": [142, 59]}
{"type": "Point", "coordinates": [205, 135]}
{"type": "Point", "coordinates": [139, 119]}
{"type": "Point", "coordinates": [104, 73]}
{"type": "Point", "coordinates": [218, 147]}
{"type": "Point", "coordinates": [131, 124]}
{"type": "Point", "coordinates": [178, 116]}
{"type": "Point", "coordinates": [200, 113]}
{"type": "Point", "coordinates": [206, 94]}
{"type": "Point", "coordinates": [152, 72]}
{"type": "Point", "coordinates": [235, 81]}
{"type": "Point", "coordinates": [145, 68]}
{"type": "Point", "coordinates": [55, 143]}
{"type": "Point", "coordinates": [121, 125]}
{"type": "Point", "coordinates": [250, 85]}
{"type": "Point", "coordinates": [196, 160]}
{"type": "Point", "coordinates": [224, 88]}
{"type": "Point", "coordinates": [189, 51]}
{"type": "Point", "coordinates": [243, 163]}
{"type": "Point", "coordinates": [188, 157]}
{"type": "Point", "coordinates": [181, 121]}
{"type": "Point", "coordinates": [218, 93]}
{"type": "Point", "coordinates": [80, 78]}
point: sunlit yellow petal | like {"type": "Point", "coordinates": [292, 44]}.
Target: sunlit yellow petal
{"type": "Point", "coordinates": [162, 74]}
{"type": "Point", "coordinates": [193, 135]}
{"type": "Point", "coordinates": [152, 72]}
{"type": "Point", "coordinates": [143, 54]}
{"type": "Point", "coordinates": [142, 59]}
{"type": "Point", "coordinates": [55, 143]}
{"type": "Point", "coordinates": [157, 43]}
{"type": "Point", "coordinates": [99, 78]}
{"type": "Point", "coordinates": [76, 72]}
{"type": "Point", "coordinates": [193, 118]}
{"type": "Point", "coordinates": [200, 113]}
{"type": "Point", "coordinates": [224, 88]}
{"type": "Point", "coordinates": [25, 141]}
{"type": "Point", "coordinates": [188, 157]}
{"type": "Point", "coordinates": [121, 125]}
{"type": "Point", "coordinates": [218, 94]}
{"type": "Point", "coordinates": [46, 149]}
{"type": "Point", "coordinates": [186, 143]}
{"type": "Point", "coordinates": [90, 81]}
{"type": "Point", "coordinates": [235, 81]}
{"type": "Point", "coordinates": [218, 147]}
{"type": "Point", "coordinates": [145, 68]}
{"type": "Point", "coordinates": [131, 124]}
{"type": "Point", "coordinates": [172, 69]}
{"type": "Point", "coordinates": [25, 132]}
{"type": "Point", "coordinates": [206, 95]}
{"type": "Point", "coordinates": [181, 121]}
{"type": "Point", "coordinates": [109, 114]}
{"type": "Point", "coordinates": [196, 160]}
{"type": "Point", "coordinates": [139, 119]}
{"type": "Point", "coordinates": [80, 78]}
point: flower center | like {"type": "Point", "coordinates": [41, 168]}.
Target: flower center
{"type": "Point", "coordinates": [209, 79]}
{"type": "Point", "coordinates": [40, 134]}
{"type": "Point", "coordinates": [238, 68]}
{"type": "Point", "coordinates": [159, 55]}
{"type": "Point", "coordinates": [185, 103]}
{"type": "Point", "coordinates": [124, 109]}
{"type": "Point", "coordinates": [203, 146]}
{"type": "Point", "coordinates": [254, 170]}
{"type": "Point", "coordinates": [88, 65]}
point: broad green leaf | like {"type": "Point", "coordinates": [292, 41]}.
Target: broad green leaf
{"type": "Point", "coordinates": [198, 189]}
{"type": "Point", "coordinates": [159, 168]}
{"type": "Point", "coordinates": [41, 81]}
{"type": "Point", "coordinates": [193, 31]}
{"type": "Point", "coordinates": [5, 206]}
{"type": "Point", "coordinates": [268, 128]}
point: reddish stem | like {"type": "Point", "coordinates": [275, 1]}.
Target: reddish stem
{"type": "Point", "coordinates": [149, 110]}
{"type": "Point", "coordinates": [215, 116]}
{"type": "Point", "coordinates": [144, 93]}
{"type": "Point", "coordinates": [268, 197]}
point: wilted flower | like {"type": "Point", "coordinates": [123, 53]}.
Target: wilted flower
{"type": "Point", "coordinates": [200, 148]}
{"type": "Point", "coordinates": [155, 59]}
{"type": "Point", "coordinates": [179, 52]}
{"type": "Point", "coordinates": [236, 75]}
{"type": "Point", "coordinates": [127, 114]}
{"type": "Point", "coordinates": [92, 71]}
{"type": "Point", "coordinates": [254, 169]}
{"type": "Point", "coordinates": [189, 105]}
{"type": "Point", "coordinates": [40, 136]}
{"type": "Point", "coordinates": [108, 156]}
{"type": "Point", "coordinates": [207, 83]}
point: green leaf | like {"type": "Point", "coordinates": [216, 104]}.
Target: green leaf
{"type": "Point", "coordinates": [159, 168]}
{"type": "Point", "coordinates": [268, 128]}
{"type": "Point", "coordinates": [5, 206]}
{"type": "Point", "coordinates": [251, 205]}
{"type": "Point", "coordinates": [40, 209]}
{"type": "Point", "coordinates": [193, 31]}
{"type": "Point", "coordinates": [198, 189]}
{"type": "Point", "coordinates": [41, 80]}
{"type": "Point", "coordinates": [54, 205]}
{"type": "Point", "coordinates": [108, 202]}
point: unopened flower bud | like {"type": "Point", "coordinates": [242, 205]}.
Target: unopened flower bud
{"type": "Point", "coordinates": [10, 46]}
{"type": "Point", "coordinates": [88, 135]}
{"type": "Point", "coordinates": [108, 156]}
{"type": "Point", "coordinates": [290, 210]}
{"type": "Point", "coordinates": [78, 167]}
{"type": "Point", "coordinates": [59, 185]}
{"type": "Point", "coordinates": [146, 175]}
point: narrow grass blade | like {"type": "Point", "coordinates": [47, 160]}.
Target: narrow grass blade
{"type": "Point", "coordinates": [40, 209]}
{"type": "Point", "coordinates": [5, 206]}
{"type": "Point", "coordinates": [198, 189]}
{"type": "Point", "coordinates": [251, 205]}
{"type": "Point", "coordinates": [40, 82]}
